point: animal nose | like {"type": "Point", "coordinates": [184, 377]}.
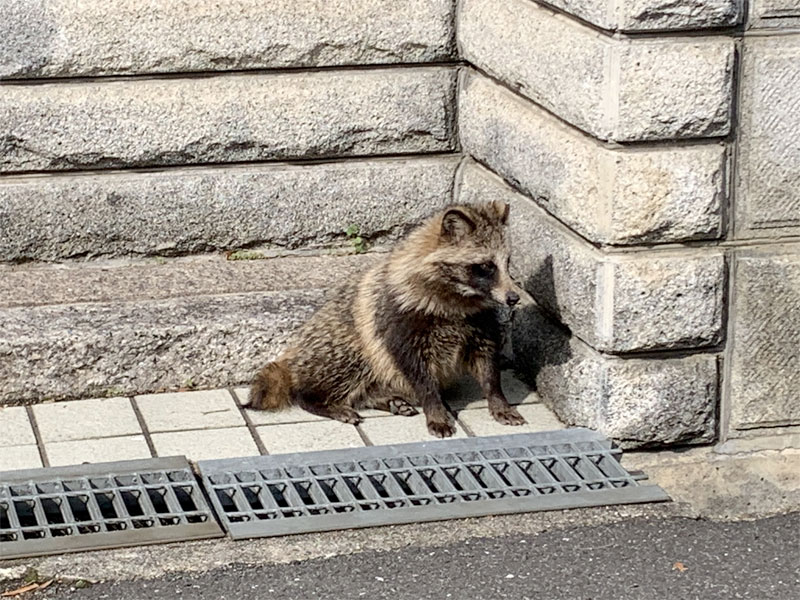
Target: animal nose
{"type": "Point", "coordinates": [512, 298]}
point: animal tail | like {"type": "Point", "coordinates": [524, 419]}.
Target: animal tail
{"type": "Point", "coordinates": [271, 387]}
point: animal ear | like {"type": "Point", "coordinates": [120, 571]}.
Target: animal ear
{"type": "Point", "coordinates": [501, 209]}
{"type": "Point", "coordinates": [456, 224]}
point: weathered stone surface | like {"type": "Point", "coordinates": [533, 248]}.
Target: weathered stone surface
{"type": "Point", "coordinates": [615, 89]}
{"type": "Point", "coordinates": [163, 336]}
{"type": "Point", "coordinates": [768, 199]}
{"type": "Point", "coordinates": [609, 196]}
{"type": "Point", "coordinates": [639, 402]}
{"type": "Point", "coordinates": [774, 13]}
{"type": "Point", "coordinates": [649, 15]}
{"type": "Point", "coordinates": [207, 275]}
{"type": "Point", "coordinates": [226, 119]}
{"type": "Point", "coordinates": [747, 485]}
{"type": "Point", "coordinates": [195, 210]}
{"type": "Point", "coordinates": [765, 353]}
{"type": "Point", "coordinates": [63, 38]}
{"type": "Point", "coordinates": [616, 302]}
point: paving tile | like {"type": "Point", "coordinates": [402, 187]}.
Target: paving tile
{"type": "Point", "coordinates": [15, 429]}
{"type": "Point", "coordinates": [307, 437]}
{"type": "Point", "coordinates": [467, 393]}
{"type": "Point", "coordinates": [401, 430]}
{"type": "Point", "coordinates": [210, 409]}
{"type": "Point", "coordinates": [539, 417]}
{"type": "Point", "coordinates": [76, 452]}
{"type": "Point", "coordinates": [86, 419]}
{"type": "Point", "coordinates": [206, 444]}
{"type": "Point", "coordinates": [19, 457]}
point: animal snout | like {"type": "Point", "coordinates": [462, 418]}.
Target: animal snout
{"type": "Point", "coordinates": [512, 298]}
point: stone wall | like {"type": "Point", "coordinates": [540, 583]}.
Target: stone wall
{"type": "Point", "coordinates": [218, 97]}
{"type": "Point", "coordinates": [649, 152]}
{"type": "Point", "coordinates": [144, 142]}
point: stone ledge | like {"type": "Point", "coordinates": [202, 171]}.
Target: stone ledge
{"type": "Point", "coordinates": [616, 302]}
{"type": "Point", "coordinates": [184, 321]}
{"type": "Point", "coordinates": [63, 38]}
{"type": "Point", "coordinates": [224, 119]}
{"type": "Point", "coordinates": [609, 196]}
{"type": "Point", "coordinates": [638, 402]}
{"type": "Point", "coordinates": [182, 211]}
{"type": "Point", "coordinates": [653, 15]}
{"type": "Point", "coordinates": [615, 89]}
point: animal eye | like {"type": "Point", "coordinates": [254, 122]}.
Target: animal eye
{"type": "Point", "coordinates": [485, 270]}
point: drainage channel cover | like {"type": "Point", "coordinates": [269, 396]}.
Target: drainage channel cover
{"type": "Point", "coordinates": [428, 481]}
{"type": "Point", "coordinates": [88, 507]}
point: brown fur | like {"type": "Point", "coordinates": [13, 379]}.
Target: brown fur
{"type": "Point", "coordinates": [414, 322]}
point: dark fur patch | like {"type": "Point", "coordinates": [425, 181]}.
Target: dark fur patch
{"type": "Point", "coordinates": [406, 337]}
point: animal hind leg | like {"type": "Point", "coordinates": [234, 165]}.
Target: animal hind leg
{"type": "Point", "coordinates": [394, 404]}
{"type": "Point", "coordinates": [338, 412]}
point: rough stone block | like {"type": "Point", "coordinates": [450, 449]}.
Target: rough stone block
{"type": "Point", "coordinates": [150, 328]}
{"type": "Point", "coordinates": [63, 38]}
{"type": "Point", "coordinates": [609, 196]}
{"type": "Point", "coordinates": [649, 15]}
{"type": "Point", "coordinates": [616, 302]}
{"type": "Point", "coordinates": [615, 89]}
{"type": "Point", "coordinates": [765, 353]}
{"type": "Point", "coordinates": [774, 13]}
{"type": "Point", "coordinates": [768, 198]}
{"type": "Point", "coordinates": [226, 119]}
{"type": "Point", "coordinates": [280, 206]}
{"type": "Point", "coordinates": [638, 402]}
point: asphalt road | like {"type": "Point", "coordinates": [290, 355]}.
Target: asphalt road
{"type": "Point", "coordinates": [648, 559]}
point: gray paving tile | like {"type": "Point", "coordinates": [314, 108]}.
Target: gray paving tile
{"type": "Point", "coordinates": [467, 394]}
{"type": "Point", "coordinates": [206, 444]}
{"type": "Point", "coordinates": [212, 409]}
{"type": "Point", "coordinates": [400, 430]}
{"type": "Point", "coordinates": [76, 452]}
{"type": "Point", "coordinates": [539, 418]}
{"type": "Point", "coordinates": [15, 428]}
{"type": "Point", "coordinates": [19, 457]}
{"type": "Point", "coordinates": [306, 437]}
{"type": "Point", "coordinates": [86, 419]}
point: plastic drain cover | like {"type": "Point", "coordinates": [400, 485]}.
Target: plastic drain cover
{"type": "Point", "coordinates": [428, 481]}
{"type": "Point", "coordinates": [87, 507]}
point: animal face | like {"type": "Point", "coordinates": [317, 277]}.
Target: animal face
{"type": "Point", "coordinates": [473, 254]}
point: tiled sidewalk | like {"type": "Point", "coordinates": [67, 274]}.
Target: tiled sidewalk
{"type": "Point", "coordinates": [213, 424]}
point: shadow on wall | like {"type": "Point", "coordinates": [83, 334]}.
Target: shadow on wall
{"type": "Point", "coordinates": [539, 340]}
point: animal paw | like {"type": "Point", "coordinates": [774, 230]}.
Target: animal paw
{"type": "Point", "coordinates": [350, 417]}
{"type": "Point", "coordinates": [441, 429]}
{"type": "Point", "coordinates": [398, 406]}
{"type": "Point", "coordinates": [508, 415]}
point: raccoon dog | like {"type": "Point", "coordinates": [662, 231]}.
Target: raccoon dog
{"type": "Point", "coordinates": [414, 322]}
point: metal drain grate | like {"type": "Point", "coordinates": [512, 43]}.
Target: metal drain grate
{"type": "Point", "coordinates": [64, 509]}
{"type": "Point", "coordinates": [382, 485]}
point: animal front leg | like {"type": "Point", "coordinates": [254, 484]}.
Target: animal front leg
{"type": "Point", "coordinates": [486, 370]}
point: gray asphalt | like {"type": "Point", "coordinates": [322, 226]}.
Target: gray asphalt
{"type": "Point", "coordinates": [648, 559]}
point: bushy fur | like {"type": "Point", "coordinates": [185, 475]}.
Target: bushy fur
{"type": "Point", "coordinates": [414, 322]}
